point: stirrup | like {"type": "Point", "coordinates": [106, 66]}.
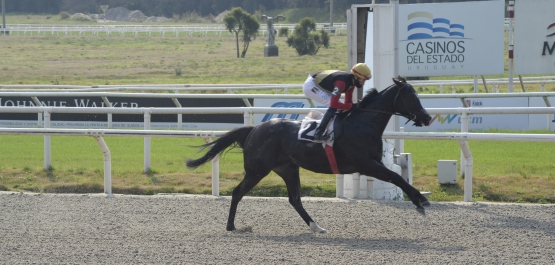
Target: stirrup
{"type": "Point", "coordinates": [321, 138]}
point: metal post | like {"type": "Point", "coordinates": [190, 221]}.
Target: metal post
{"type": "Point", "coordinates": [331, 14]}
{"type": "Point", "coordinates": [510, 8]}
{"type": "Point", "coordinates": [3, 17]}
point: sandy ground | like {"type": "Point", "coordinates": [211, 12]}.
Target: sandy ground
{"type": "Point", "coordinates": [190, 229]}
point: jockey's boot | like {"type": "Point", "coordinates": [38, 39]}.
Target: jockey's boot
{"type": "Point", "coordinates": [319, 135]}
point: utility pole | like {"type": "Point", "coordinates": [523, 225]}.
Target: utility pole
{"type": "Point", "coordinates": [3, 17]}
{"type": "Point", "coordinates": [331, 13]}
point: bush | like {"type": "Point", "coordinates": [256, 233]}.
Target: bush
{"type": "Point", "coordinates": [64, 15]}
{"type": "Point", "coordinates": [306, 40]}
{"type": "Point", "coordinates": [283, 32]}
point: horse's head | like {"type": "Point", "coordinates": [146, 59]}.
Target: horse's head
{"type": "Point", "coordinates": [408, 104]}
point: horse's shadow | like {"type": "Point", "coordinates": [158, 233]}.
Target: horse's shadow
{"type": "Point", "coordinates": [514, 221]}
{"type": "Point", "coordinates": [399, 244]}
{"type": "Point", "coordinates": [497, 221]}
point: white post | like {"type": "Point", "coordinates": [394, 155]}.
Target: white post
{"type": "Point", "coordinates": [107, 166]}
{"type": "Point", "coordinates": [356, 185]}
{"type": "Point", "coordinates": [47, 145]}
{"type": "Point", "coordinates": [464, 129]}
{"type": "Point", "coordinates": [179, 116]}
{"type": "Point", "coordinates": [247, 120]}
{"type": "Point", "coordinates": [146, 144]}
{"type": "Point", "coordinates": [467, 170]}
{"type": "Point", "coordinates": [339, 186]}
{"type": "Point", "coordinates": [363, 194]}
{"type": "Point", "coordinates": [109, 105]}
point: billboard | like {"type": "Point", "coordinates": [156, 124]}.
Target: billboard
{"type": "Point", "coordinates": [442, 122]}
{"type": "Point", "coordinates": [534, 37]}
{"type": "Point", "coordinates": [452, 122]}
{"type": "Point", "coordinates": [281, 103]}
{"type": "Point", "coordinates": [127, 121]}
{"type": "Point", "coordinates": [441, 39]}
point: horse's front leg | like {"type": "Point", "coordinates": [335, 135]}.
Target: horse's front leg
{"type": "Point", "coordinates": [379, 171]}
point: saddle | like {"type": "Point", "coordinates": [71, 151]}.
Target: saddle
{"type": "Point", "coordinates": [311, 122]}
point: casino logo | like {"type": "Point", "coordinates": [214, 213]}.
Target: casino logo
{"type": "Point", "coordinates": [423, 25]}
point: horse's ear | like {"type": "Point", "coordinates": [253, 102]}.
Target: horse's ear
{"type": "Point", "coordinates": [401, 79]}
{"type": "Point", "coordinates": [397, 82]}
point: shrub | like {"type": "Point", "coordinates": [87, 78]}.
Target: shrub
{"type": "Point", "coordinates": [64, 15]}
{"type": "Point", "coordinates": [306, 40]}
{"type": "Point", "coordinates": [283, 32]}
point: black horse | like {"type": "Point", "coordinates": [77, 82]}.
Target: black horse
{"type": "Point", "coordinates": [274, 146]}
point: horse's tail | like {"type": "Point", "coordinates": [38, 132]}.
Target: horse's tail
{"type": "Point", "coordinates": [233, 137]}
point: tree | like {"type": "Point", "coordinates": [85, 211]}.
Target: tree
{"type": "Point", "coordinates": [238, 20]}
{"type": "Point", "coordinates": [306, 40]}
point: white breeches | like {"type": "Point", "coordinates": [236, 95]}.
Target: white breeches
{"type": "Point", "coordinates": [312, 91]}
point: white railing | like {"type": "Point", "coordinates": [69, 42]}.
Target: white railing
{"type": "Point", "coordinates": [149, 30]}
{"type": "Point", "coordinates": [135, 30]}
{"type": "Point", "coordinates": [491, 84]}
{"type": "Point", "coordinates": [463, 137]}
{"type": "Point", "coordinates": [176, 88]}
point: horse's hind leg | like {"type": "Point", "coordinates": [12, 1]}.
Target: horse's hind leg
{"type": "Point", "coordinates": [290, 174]}
{"type": "Point", "coordinates": [252, 177]}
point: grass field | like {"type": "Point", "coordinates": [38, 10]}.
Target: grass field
{"type": "Point", "coordinates": [101, 60]}
{"type": "Point", "coordinates": [503, 171]}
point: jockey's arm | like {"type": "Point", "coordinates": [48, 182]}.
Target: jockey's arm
{"type": "Point", "coordinates": [335, 99]}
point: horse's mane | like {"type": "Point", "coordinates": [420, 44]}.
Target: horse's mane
{"type": "Point", "coordinates": [371, 96]}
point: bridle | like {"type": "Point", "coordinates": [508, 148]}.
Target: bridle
{"type": "Point", "coordinates": [410, 117]}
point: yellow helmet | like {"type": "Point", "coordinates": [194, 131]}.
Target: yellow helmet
{"type": "Point", "coordinates": [362, 71]}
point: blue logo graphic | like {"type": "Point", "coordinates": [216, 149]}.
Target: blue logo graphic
{"type": "Point", "coordinates": [269, 116]}
{"type": "Point", "coordinates": [423, 25]}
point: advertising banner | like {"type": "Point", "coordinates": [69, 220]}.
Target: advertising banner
{"type": "Point", "coordinates": [462, 38]}
{"type": "Point", "coordinates": [127, 121]}
{"type": "Point", "coordinates": [281, 103]}
{"type": "Point", "coordinates": [534, 37]}
{"type": "Point", "coordinates": [452, 122]}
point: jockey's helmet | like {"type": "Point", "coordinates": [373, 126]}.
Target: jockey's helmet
{"type": "Point", "coordinates": [362, 71]}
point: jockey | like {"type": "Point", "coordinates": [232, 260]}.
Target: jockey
{"type": "Point", "coordinates": [325, 87]}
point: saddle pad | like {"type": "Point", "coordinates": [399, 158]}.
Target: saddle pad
{"type": "Point", "coordinates": [306, 133]}
{"type": "Point", "coordinates": [308, 128]}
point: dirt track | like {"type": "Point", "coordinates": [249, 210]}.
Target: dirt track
{"type": "Point", "coordinates": [190, 229]}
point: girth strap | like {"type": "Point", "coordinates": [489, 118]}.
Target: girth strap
{"type": "Point", "coordinates": [331, 159]}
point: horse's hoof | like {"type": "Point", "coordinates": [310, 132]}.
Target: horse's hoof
{"type": "Point", "coordinates": [421, 210]}
{"type": "Point", "coordinates": [316, 228]}
{"type": "Point", "coordinates": [425, 203]}
{"type": "Point", "coordinates": [230, 228]}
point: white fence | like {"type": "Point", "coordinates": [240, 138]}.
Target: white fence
{"type": "Point", "coordinates": [490, 85]}
{"type": "Point", "coordinates": [463, 137]}
{"type": "Point", "coordinates": [149, 30]}
{"type": "Point", "coordinates": [144, 30]}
